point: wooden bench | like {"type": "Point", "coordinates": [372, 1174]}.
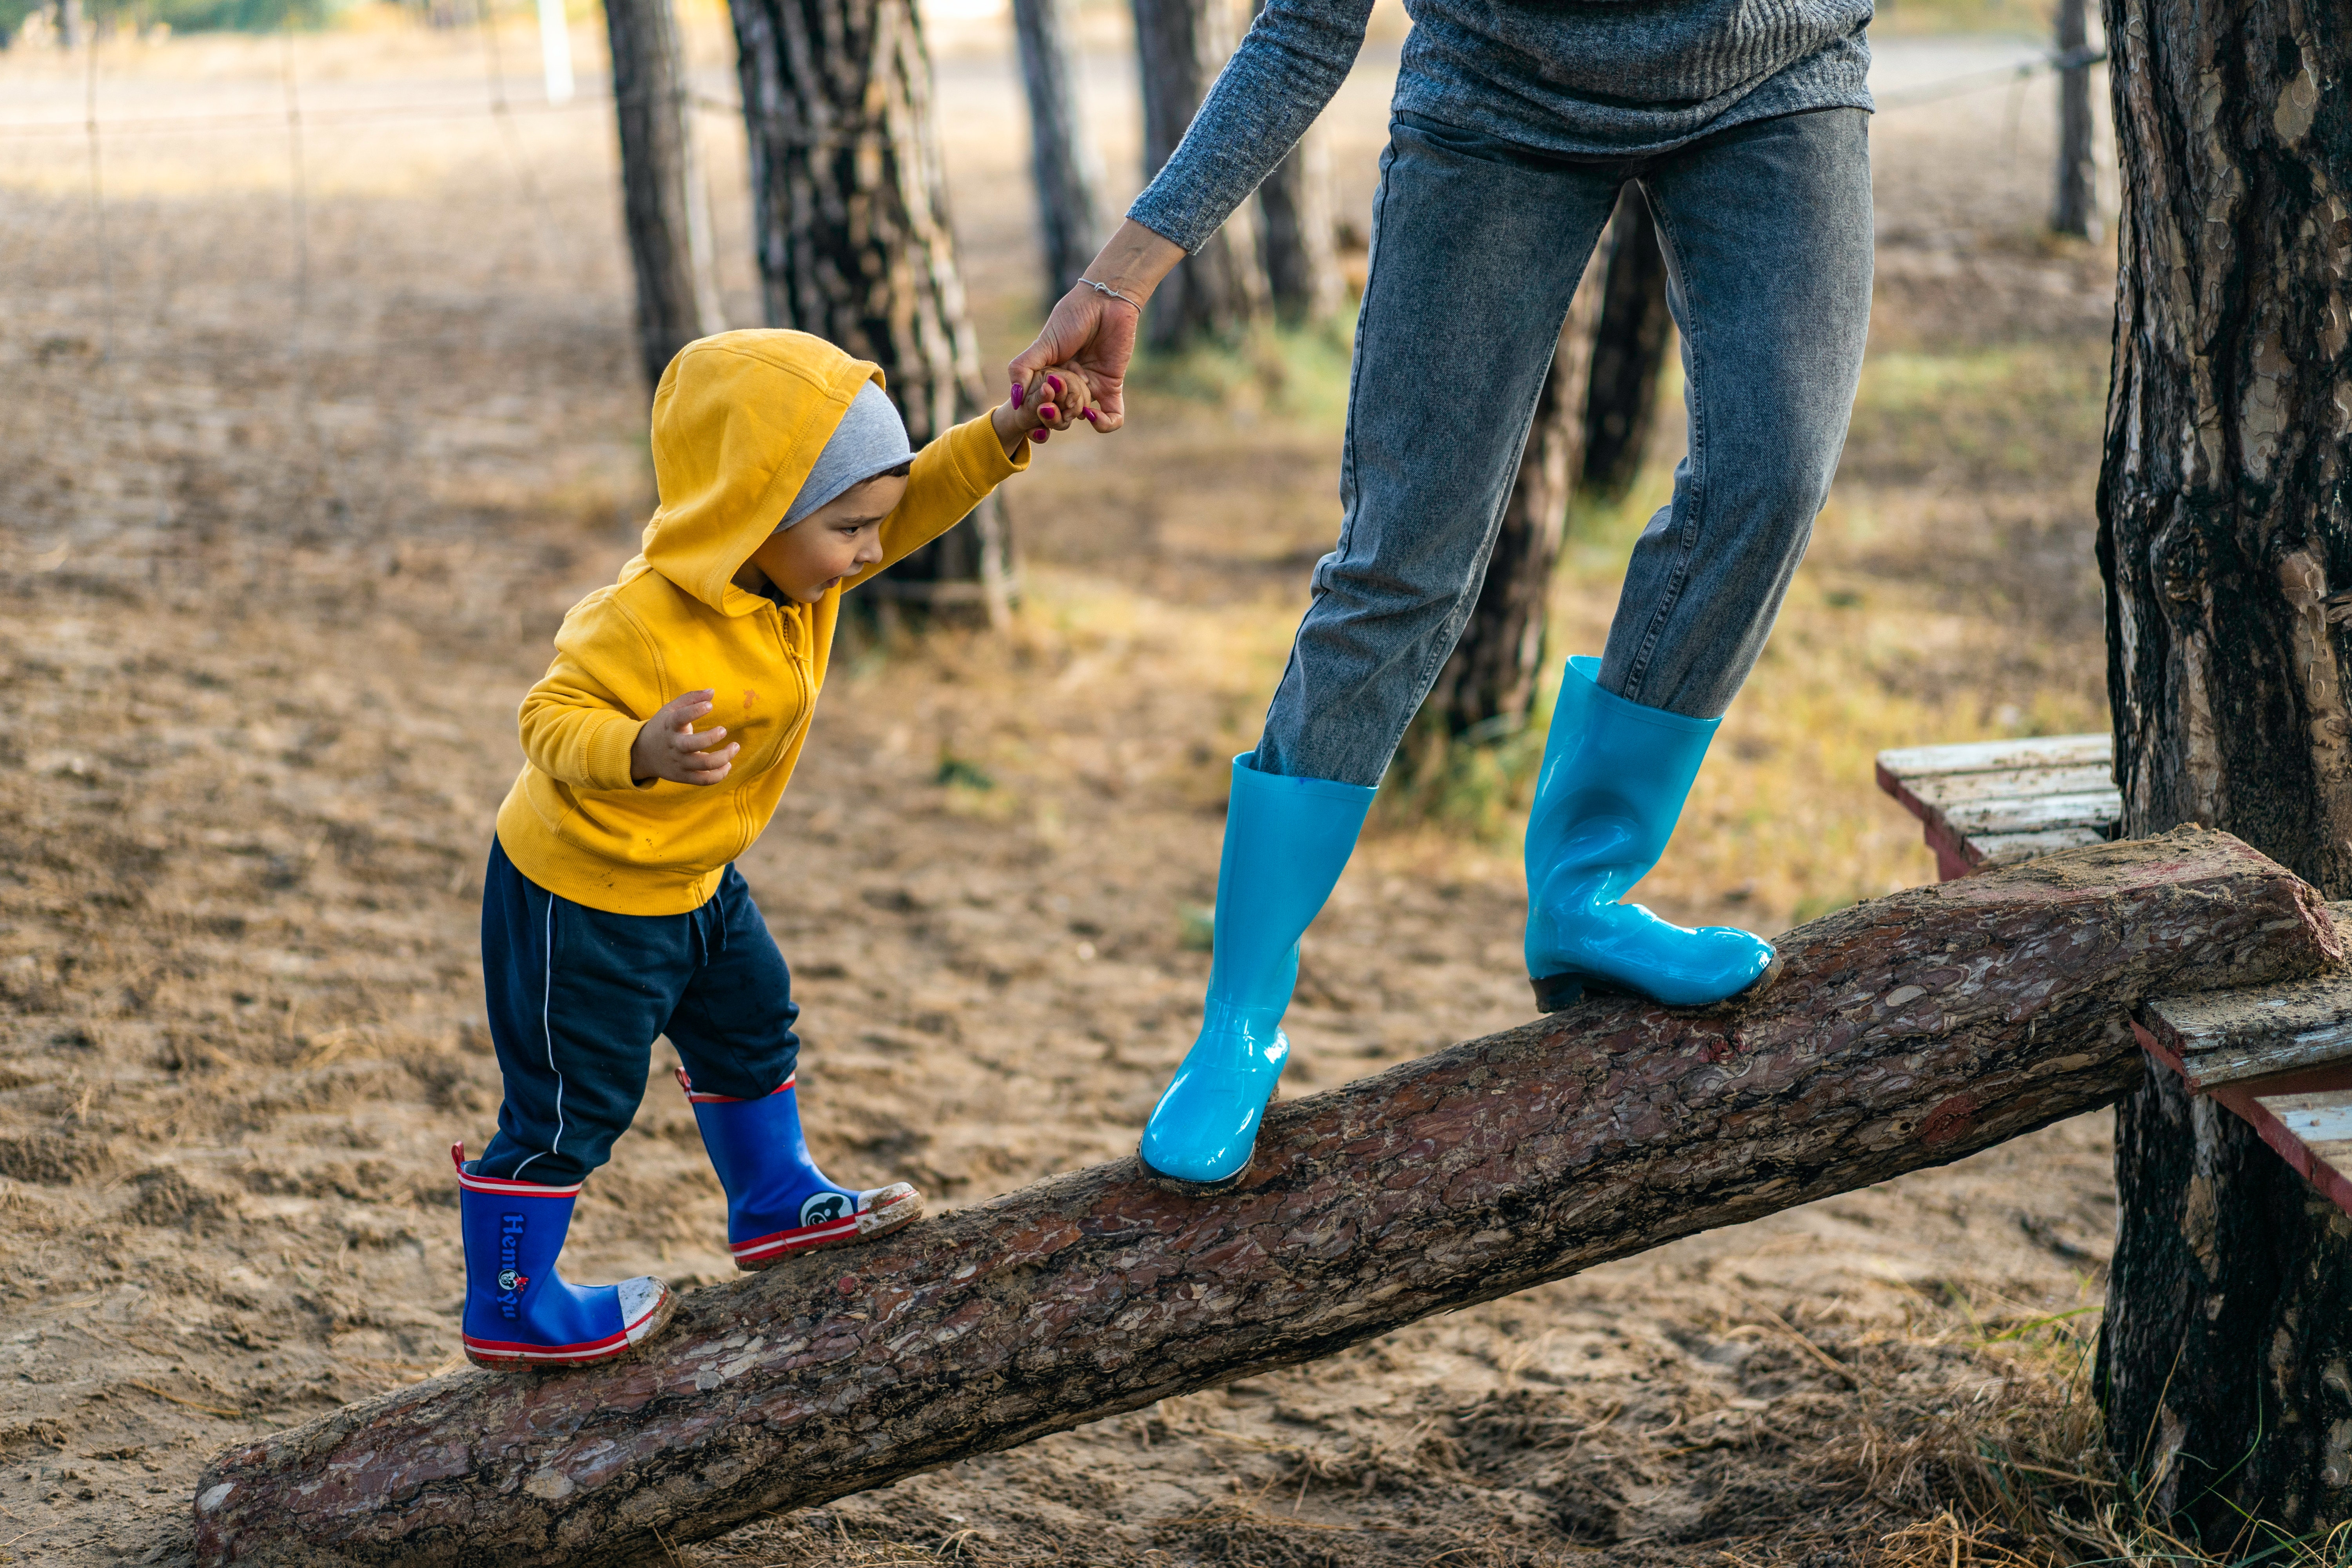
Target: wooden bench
{"type": "Point", "coordinates": [2280, 1056]}
{"type": "Point", "coordinates": [1992, 803]}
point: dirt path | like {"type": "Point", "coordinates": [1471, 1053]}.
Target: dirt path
{"type": "Point", "coordinates": [275, 583]}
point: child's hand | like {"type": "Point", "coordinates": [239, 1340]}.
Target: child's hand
{"type": "Point", "coordinates": [668, 747]}
{"type": "Point", "coordinates": [1055, 399]}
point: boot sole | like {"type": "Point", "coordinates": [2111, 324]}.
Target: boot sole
{"type": "Point", "coordinates": [1196, 1189]}
{"type": "Point", "coordinates": [880, 1220]}
{"type": "Point", "coordinates": [1557, 993]}
{"type": "Point", "coordinates": [655, 1322]}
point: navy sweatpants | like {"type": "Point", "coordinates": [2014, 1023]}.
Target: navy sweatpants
{"type": "Point", "coordinates": [577, 996]}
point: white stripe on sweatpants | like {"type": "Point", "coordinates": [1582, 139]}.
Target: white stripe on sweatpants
{"type": "Point", "coordinates": [547, 1031]}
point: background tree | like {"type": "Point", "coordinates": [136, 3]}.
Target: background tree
{"type": "Point", "coordinates": [1297, 236]}
{"type": "Point", "coordinates": [850, 217]}
{"type": "Point", "coordinates": [1180, 46]}
{"type": "Point", "coordinates": [664, 204]}
{"type": "Point", "coordinates": [2227, 549]}
{"type": "Point", "coordinates": [1629, 349]}
{"type": "Point", "coordinates": [2071, 208]}
{"type": "Point", "coordinates": [1488, 685]}
{"type": "Point", "coordinates": [1060, 157]}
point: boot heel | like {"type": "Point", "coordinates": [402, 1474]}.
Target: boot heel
{"type": "Point", "coordinates": [1555, 993]}
{"type": "Point", "coordinates": [1184, 1188]}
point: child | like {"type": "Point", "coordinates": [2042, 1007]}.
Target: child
{"type": "Point", "coordinates": [612, 911]}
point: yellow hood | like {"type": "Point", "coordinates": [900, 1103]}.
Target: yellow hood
{"type": "Point", "coordinates": [739, 421]}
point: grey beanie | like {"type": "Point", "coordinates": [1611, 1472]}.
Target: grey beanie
{"type": "Point", "coordinates": [871, 440]}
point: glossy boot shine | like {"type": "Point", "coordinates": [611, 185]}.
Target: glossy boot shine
{"type": "Point", "coordinates": [1287, 841]}
{"type": "Point", "coordinates": [1615, 775]}
{"type": "Point", "coordinates": [777, 1202]}
{"type": "Point", "coordinates": [519, 1313]}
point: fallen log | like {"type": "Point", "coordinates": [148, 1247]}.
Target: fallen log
{"type": "Point", "coordinates": [1903, 1033]}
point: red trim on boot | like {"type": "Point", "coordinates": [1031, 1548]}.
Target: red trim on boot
{"type": "Point", "coordinates": [869, 1219]}
{"type": "Point", "coordinates": [473, 1183]}
{"type": "Point", "coordinates": [694, 1094]}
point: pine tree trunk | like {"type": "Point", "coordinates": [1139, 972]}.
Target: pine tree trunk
{"type": "Point", "coordinates": [849, 208]}
{"type": "Point", "coordinates": [2227, 549]}
{"type": "Point", "coordinates": [1180, 46]}
{"type": "Point", "coordinates": [1297, 237]}
{"type": "Point", "coordinates": [1061, 154]}
{"type": "Point", "coordinates": [663, 202]}
{"type": "Point", "coordinates": [1297, 232]}
{"type": "Point", "coordinates": [1488, 684]}
{"type": "Point", "coordinates": [2071, 210]}
{"type": "Point", "coordinates": [1629, 349]}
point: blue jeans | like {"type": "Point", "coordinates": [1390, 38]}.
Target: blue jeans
{"type": "Point", "coordinates": [577, 995]}
{"type": "Point", "coordinates": [1478, 246]}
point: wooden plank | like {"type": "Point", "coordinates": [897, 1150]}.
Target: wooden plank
{"type": "Point", "coordinates": [1945, 791]}
{"type": "Point", "coordinates": [1989, 849]}
{"type": "Point", "coordinates": [2240, 1036]}
{"type": "Point", "coordinates": [2100, 809]}
{"type": "Point", "coordinates": [2316, 1132]}
{"type": "Point", "coordinates": [1991, 756]}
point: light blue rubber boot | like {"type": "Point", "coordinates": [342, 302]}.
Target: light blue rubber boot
{"type": "Point", "coordinates": [1615, 775]}
{"type": "Point", "coordinates": [1287, 841]}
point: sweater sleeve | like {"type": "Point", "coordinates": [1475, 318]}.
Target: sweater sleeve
{"type": "Point", "coordinates": [1295, 57]}
{"type": "Point", "coordinates": [951, 476]}
{"type": "Point", "coordinates": [576, 728]}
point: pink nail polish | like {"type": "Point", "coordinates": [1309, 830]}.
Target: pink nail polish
{"type": "Point", "coordinates": [1016, 395]}
{"type": "Point", "coordinates": [1056, 383]}
{"type": "Point", "coordinates": [1046, 411]}
{"type": "Point", "coordinates": [1091, 418]}
{"type": "Point", "coordinates": [1038, 437]}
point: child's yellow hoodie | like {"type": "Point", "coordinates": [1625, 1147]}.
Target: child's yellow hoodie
{"type": "Point", "coordinates": [738, 422]}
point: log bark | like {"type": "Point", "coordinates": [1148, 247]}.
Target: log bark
{"type": "Point", "coordinates": [664, 204]}
{"type": "Point", "coordinates": [1628, 350]}
{"type": "Point", "coordinates": [2072, 209]}
{"type": "Point", "coordinates": [1906, 1032]}
{"type": "Point", "coordinates": [1180, 46]}
{"type": "Point", "coordinates": [1062, 156]}
{"type": "Point", "coordinates": [850, 214]}
{"type": "Point", "coordinates": [2226, 544]}
{"type": "Point", "coordinates": [1487, 686]}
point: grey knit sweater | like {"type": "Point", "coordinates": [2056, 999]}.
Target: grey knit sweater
{"type": "Point", "coordinates": [1584, 78]}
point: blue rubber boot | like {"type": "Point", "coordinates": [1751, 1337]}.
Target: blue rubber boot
{"type": "Point", "coordinates": [1287, 841]}
{"type": "Point", "coordinates": [519, 1311]}
{"type": "Point", "coordinates": [777, 1202]}
{"type": "Point", "coordinates": [1615, 775]}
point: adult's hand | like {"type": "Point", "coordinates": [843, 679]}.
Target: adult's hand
{"type": "Point", "coordinates": [1095, 332]}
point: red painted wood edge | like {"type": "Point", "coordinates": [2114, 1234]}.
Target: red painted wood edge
{"type": "Point", "coordinates": [2240, 1098]}
{"type": "Point", "coordinates": [1952, 860]}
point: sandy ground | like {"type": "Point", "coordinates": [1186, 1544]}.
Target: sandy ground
{"type": "Point", "coordinates": [307, 458]}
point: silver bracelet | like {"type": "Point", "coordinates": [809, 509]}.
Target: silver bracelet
{"type": "Point", "coordinates": [1107, 288]}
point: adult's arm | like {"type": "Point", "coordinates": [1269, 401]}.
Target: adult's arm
{"type": "Point", "coordinates": [1295, 57]}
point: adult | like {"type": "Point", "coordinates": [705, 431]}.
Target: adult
{"type": "Point", "coordinates": [1513, 127]}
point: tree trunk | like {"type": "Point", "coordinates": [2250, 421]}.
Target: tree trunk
{"type": "Point", "coordinates": [1489, 683]}
{"type": "Point", "coordinates": [664, 204]}
{"type": "Point", "coordinates": [2224, 540]}
{"type": "Point", "coordinates": [1062, 156]}
{"type": "Point", "coordinates": [1180, 46]}
{"type": "Point", "coordinates": [849, 207]}
{"type": "Point", "coordinates": [1904, 1033]}
{"type": "Point", "coordinates": [1628, 351]}
{"type": "Point", "coordinates": [2070, 208]}
{"type": "Point", "coordinates": [1298, 236]}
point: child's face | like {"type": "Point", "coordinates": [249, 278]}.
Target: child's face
{"type": "Point", "coordinates": [838, 539]}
